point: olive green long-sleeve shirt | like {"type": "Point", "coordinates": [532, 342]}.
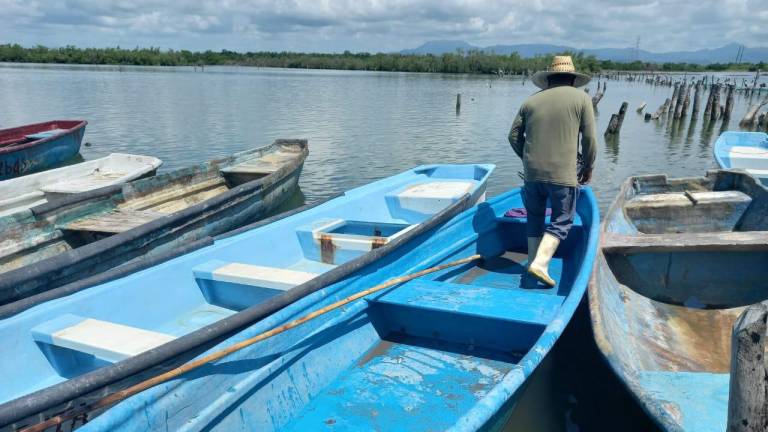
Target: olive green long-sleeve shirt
{"type": "Point", "coordinates": [545, 135]}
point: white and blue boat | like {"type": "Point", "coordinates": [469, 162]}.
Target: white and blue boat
{"type": "Point", "coordinates": [70, 343]}
{"type": "Point", "coordinates": [744, 150]}
{"type": "Point", "coordinates": [448, 351]}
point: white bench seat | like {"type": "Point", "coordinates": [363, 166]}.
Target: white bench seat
{"type": "Point", "coordinates": [255, 275]}
{"type": "Point", "coordinates": [103, 339]}
{"type": "Point", "coordinates": [237, 286]}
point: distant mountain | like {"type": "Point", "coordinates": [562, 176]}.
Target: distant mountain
{"type": "Point", "coordinates": [440, 47]}
{"type": "Point", "coordinates": [724, 54]}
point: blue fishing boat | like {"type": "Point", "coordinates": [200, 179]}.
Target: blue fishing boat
{"type": "Point", "coordinates": [100, 333]}
{"type": "Point", "coordinates": [450, 350]}
{"type": "Point", "coordinates": [35, 147]}
{"type": "Point", "coordinates": [680, 259]}
{"type": "Point", "coordinates": [743, 150]}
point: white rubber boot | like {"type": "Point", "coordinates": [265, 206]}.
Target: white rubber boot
{"type": "Point", "coordinates": [539, 268]}
{"type": "Point", "coordinates": [533, 247]}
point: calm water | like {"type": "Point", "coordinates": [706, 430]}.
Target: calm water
{"type": "Point", "coordinates": [363, 126]}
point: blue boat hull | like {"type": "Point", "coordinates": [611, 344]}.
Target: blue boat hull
{"type": "Point", "coordinates": [448, 351]}
{"type": "Point", "coordinates": [744, 151]}
{"type": "Point", "coordinates": [668, 286]}
{"type": "Point", "coordinates": [41, 156]}
{"type": "Point", "coordinates": [182, 302]}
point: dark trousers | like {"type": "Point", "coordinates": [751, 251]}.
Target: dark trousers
{"type": "Point", "coordinates": [562, 200]}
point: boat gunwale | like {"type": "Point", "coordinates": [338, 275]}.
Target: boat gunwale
{"type": "Point", "coordinates": [23, 146]}
{"type": "Point", "coordinates": [74, 388]}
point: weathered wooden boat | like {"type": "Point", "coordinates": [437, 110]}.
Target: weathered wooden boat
{"type": "Point", "coordinates": [679, 261]}
{"type": "Point", "coordinates": [84, 234]}
{"type": "Point", "coordinates": [60, 352]}
{"type": "Point", "coordinates": [743, 150]}
{"type": "Point", "coordinates": [35, 147]}
{"type": "Point", "coordinates": [34, 189]}
{"type": "Point", "coordinates": [451, 350]}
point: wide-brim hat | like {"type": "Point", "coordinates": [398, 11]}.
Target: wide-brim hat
{"type": "Point", "coordinates": [561, 65]}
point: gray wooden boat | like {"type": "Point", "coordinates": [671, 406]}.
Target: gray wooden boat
{"type": "Point", "coordinates": [84, 234]}
{"type": "Point", "coordinates": [680, 259]}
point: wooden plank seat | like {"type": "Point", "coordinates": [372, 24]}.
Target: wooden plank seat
{"type": "Point", "coordinates": [172, 199]}
{"type": "Point", "coordinates": [266, 164]}
{"type": "Point", "coordinates": [733, 241]}
{"type": "Point", "coordinates": [112, 222]}
{"type": "Point", "coordinates": [103, 339]}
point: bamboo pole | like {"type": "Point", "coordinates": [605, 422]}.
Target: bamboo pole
{"type": "Point", "coordinates": [173, 373]}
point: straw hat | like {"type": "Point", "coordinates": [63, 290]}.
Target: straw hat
{"type": "Point", "coordinates": [560, 65]}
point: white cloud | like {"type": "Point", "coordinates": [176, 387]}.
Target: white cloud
{"type": "Point", "coordinates": [383, 25]}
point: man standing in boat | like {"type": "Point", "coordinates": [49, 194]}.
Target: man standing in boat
{"type": "Point", "coordinates": [545, 135]}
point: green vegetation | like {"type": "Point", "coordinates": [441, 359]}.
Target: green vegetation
{"type": "Point", "coordinates": [476, 62]}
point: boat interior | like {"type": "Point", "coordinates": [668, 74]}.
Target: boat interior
{"type": "Point", "coordinates": [393, 360]}
{"type": "Point", "coordinates": [681, 259]}
{"type": "Point", "coordinates": [26, 134]}
{"type": "Point", "coordinates": [42, 232]}
{"type": "Point", "coordinates": [35, 189]}
{"type": "Point", "coordinates": [68, 336]}
{"type": "Point", "coordinates": [744, 150]}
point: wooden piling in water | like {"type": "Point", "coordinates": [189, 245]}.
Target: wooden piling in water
{"type": "Point", "coordinates": [614, 125]}
{"type": "Point", "coordinates": [696, 100]}
{"type": "Point", "coordinates": [659, 112]}
{"type": "Point", "coordinates": [598, 94]}
{"type": "Point", "coordinates": [686, 101]}
{"type": "Point", "coordinates": [710, 98]}
{"type": "Point", "coordinates": [728, 103]}
{"type": "Point", "coordinates": [641, 108]}
{"type": "Point", "coordinates": [715, 111]}
{"type": "Point", "coordinates": [751, 116]}
{"type": "Point", "coordinates": [747, 410]}
{"type": "Point", "coordinates": [458, 102]}
{"type": "Point", "coordinates": [673, 100]}
{"type": "Point", "coordinates": [680, 100]}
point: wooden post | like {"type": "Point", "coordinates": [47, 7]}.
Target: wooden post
{"type": "Point", "coordinates": [674, 98]}
{"type": "Point", "coordinates": [686, 101]}
{"type": "Point", "coordinates": [728, 103]}
{"type": "Point", "coordinates": [751, 116]}
{"type": "Point", "coordinates": [696, 100]}
{"type": "Point", "coordinates": [458, 103]}
{"type": "Point", "coordinates": [747, 393]}
{"type": "Point", "coordinates": [708, 107]}
{"type": "Point", "coordinates": [614, 126]}
{"type": "Point", "coordinates": [659, 112]}
{"type": "Point", "coordinates": [598, 94]}
{"type": "Point", "coordinates": [641, 108]}
{"type": "Point", "coordinates": [715, 103]}
{"type": "Point", "coordinates": [680, 100]}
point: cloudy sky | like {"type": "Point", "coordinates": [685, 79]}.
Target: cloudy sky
{"type": "Point", "coordinates": [382, 25]}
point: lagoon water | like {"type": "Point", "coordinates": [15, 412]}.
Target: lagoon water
{"type": "Point", "coordinates": [363, 126]}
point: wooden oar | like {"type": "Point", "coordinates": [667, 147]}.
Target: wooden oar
{"type": "Point", "coordinates": [173, 373]}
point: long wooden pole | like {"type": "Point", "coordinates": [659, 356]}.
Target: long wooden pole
{"type": "Point", "coordinates": [173, 373]}
{"type": "Point", "coordinates": [747, 392]}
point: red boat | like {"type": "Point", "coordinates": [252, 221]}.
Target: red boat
{"type": "Point", "coordinates": [39, 146]}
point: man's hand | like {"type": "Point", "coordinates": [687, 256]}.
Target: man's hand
{"type": "Point", "coordinates": [585, 176]}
